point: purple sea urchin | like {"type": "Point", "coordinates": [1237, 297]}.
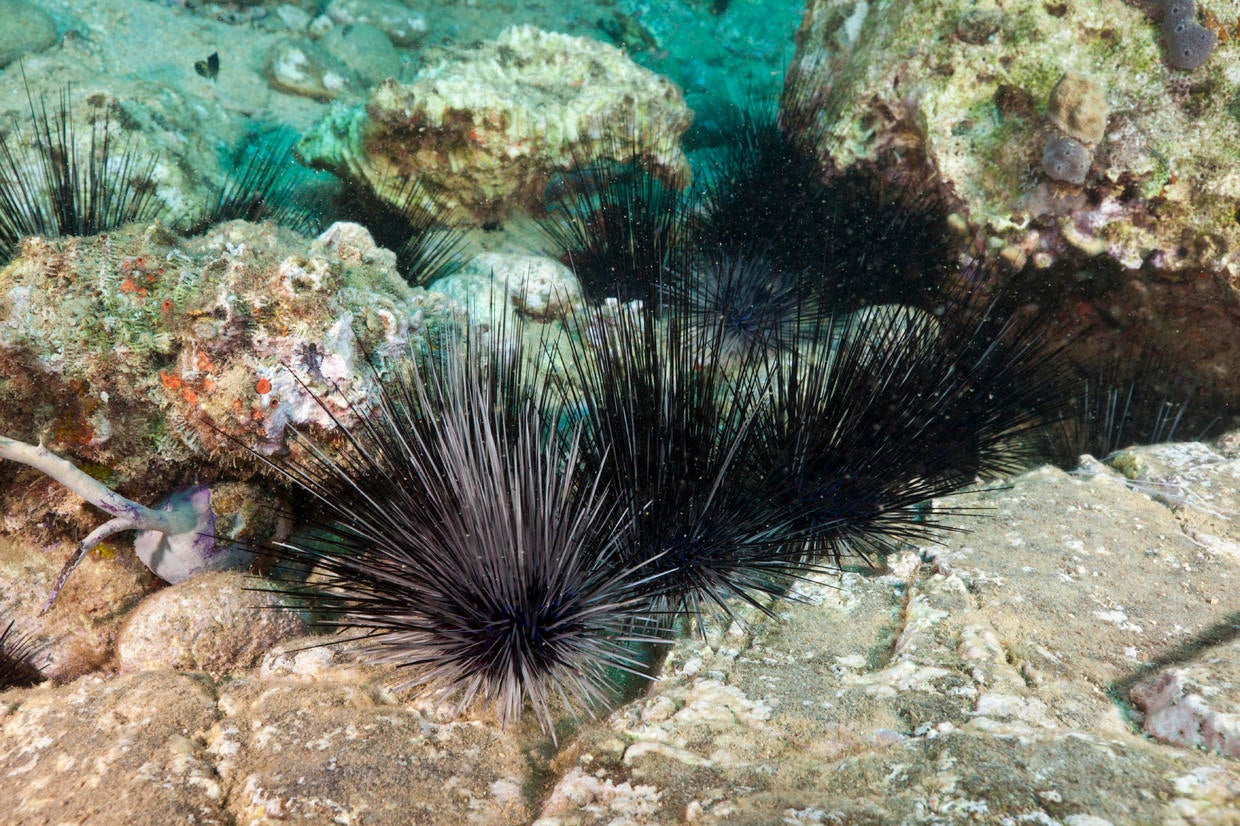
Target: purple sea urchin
{"type": "Point", "coordinates": [462, 543]}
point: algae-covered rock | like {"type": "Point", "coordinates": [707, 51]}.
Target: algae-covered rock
{"type": "Point", "coordinates": [483, 129]}
{"type": "Point", "coordinates": [1145, 249]}
{"type": "Point", "coordinates": [1165, 185]}
{"type": "Point", "coordinates": [132, 354]}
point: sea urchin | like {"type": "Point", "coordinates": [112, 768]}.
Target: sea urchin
{"type": "Point", "coordinates": [460, 541]}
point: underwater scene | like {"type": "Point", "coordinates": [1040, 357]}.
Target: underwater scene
{"type": "Point", "coordinates": [610, 412]}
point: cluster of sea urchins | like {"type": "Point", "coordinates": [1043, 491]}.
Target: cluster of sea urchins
{"type": "Point", "coordinates": [729, 415]}
{"type": "Point", "coordinates": [770, 375]}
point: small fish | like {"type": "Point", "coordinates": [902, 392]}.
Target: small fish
{"type": "Point", "coordinates": [209, 68]}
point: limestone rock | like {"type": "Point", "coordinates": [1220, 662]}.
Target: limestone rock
{"type": "Point", "coordinates": [111, 752]}
{"type": "Point", "coordinates": [153, 746]}
{"type": "Point", "coordinates": [217, 622]}
{"type": "Point", "coordinates": [78, 636]}
{"type": "Point", "coordinates": [484, 129]}
{"type": "Point", "coordinates": [1177, 711]}
{"type": "Point", "coordinates": [295, 19]}
{"type": "Point", "coordinates": [539, 287]}
{"type": "Point", "coordinates": [966, 682]}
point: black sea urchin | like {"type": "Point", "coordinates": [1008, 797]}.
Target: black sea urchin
{"type": "Point", "coordinates": [744, 299]}
{"type": "Point", "coordinates": [883, 410]}
{"type": "Point", "coordinates": [1130, 398]}
{"type": "Point", "coordinates": [427, 246]}
{"type": "Point", "coordinates": [859, 241]}
{"type": "Point", "coordinates": [460, 541]}
{"type": "Point", "coordinates": [17, 653]}
{"type": "Point", "coordinates": [265, 185]}
{"type": "Point", "coordinates": [668, 424]}
{"type": "Point", "coordinates": [49, 187]}
{"type": "Point", "coordinates": [619, 226]}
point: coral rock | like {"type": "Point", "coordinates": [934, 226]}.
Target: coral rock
{"type": "Point", "coordinates": [484, 129]}
{"type": "Point", "coordinates": [910, 94]}
{"type": "Point", "coordinates": [539, 287]}
{"type": "Point", "coordinates": [364, 49]}
{"type": "Point", "coordinates": [135, 375]}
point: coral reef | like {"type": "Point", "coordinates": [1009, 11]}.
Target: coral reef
{"type": "Point", "coordinates": [484, 129]}
{"type": "Point", "coordinates": [1014, 651]}
{"type": "Point", "coordinates": [976, 124]}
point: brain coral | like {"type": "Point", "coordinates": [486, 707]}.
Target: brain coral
{"type": "Point", "coordinates": [483, 129]}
